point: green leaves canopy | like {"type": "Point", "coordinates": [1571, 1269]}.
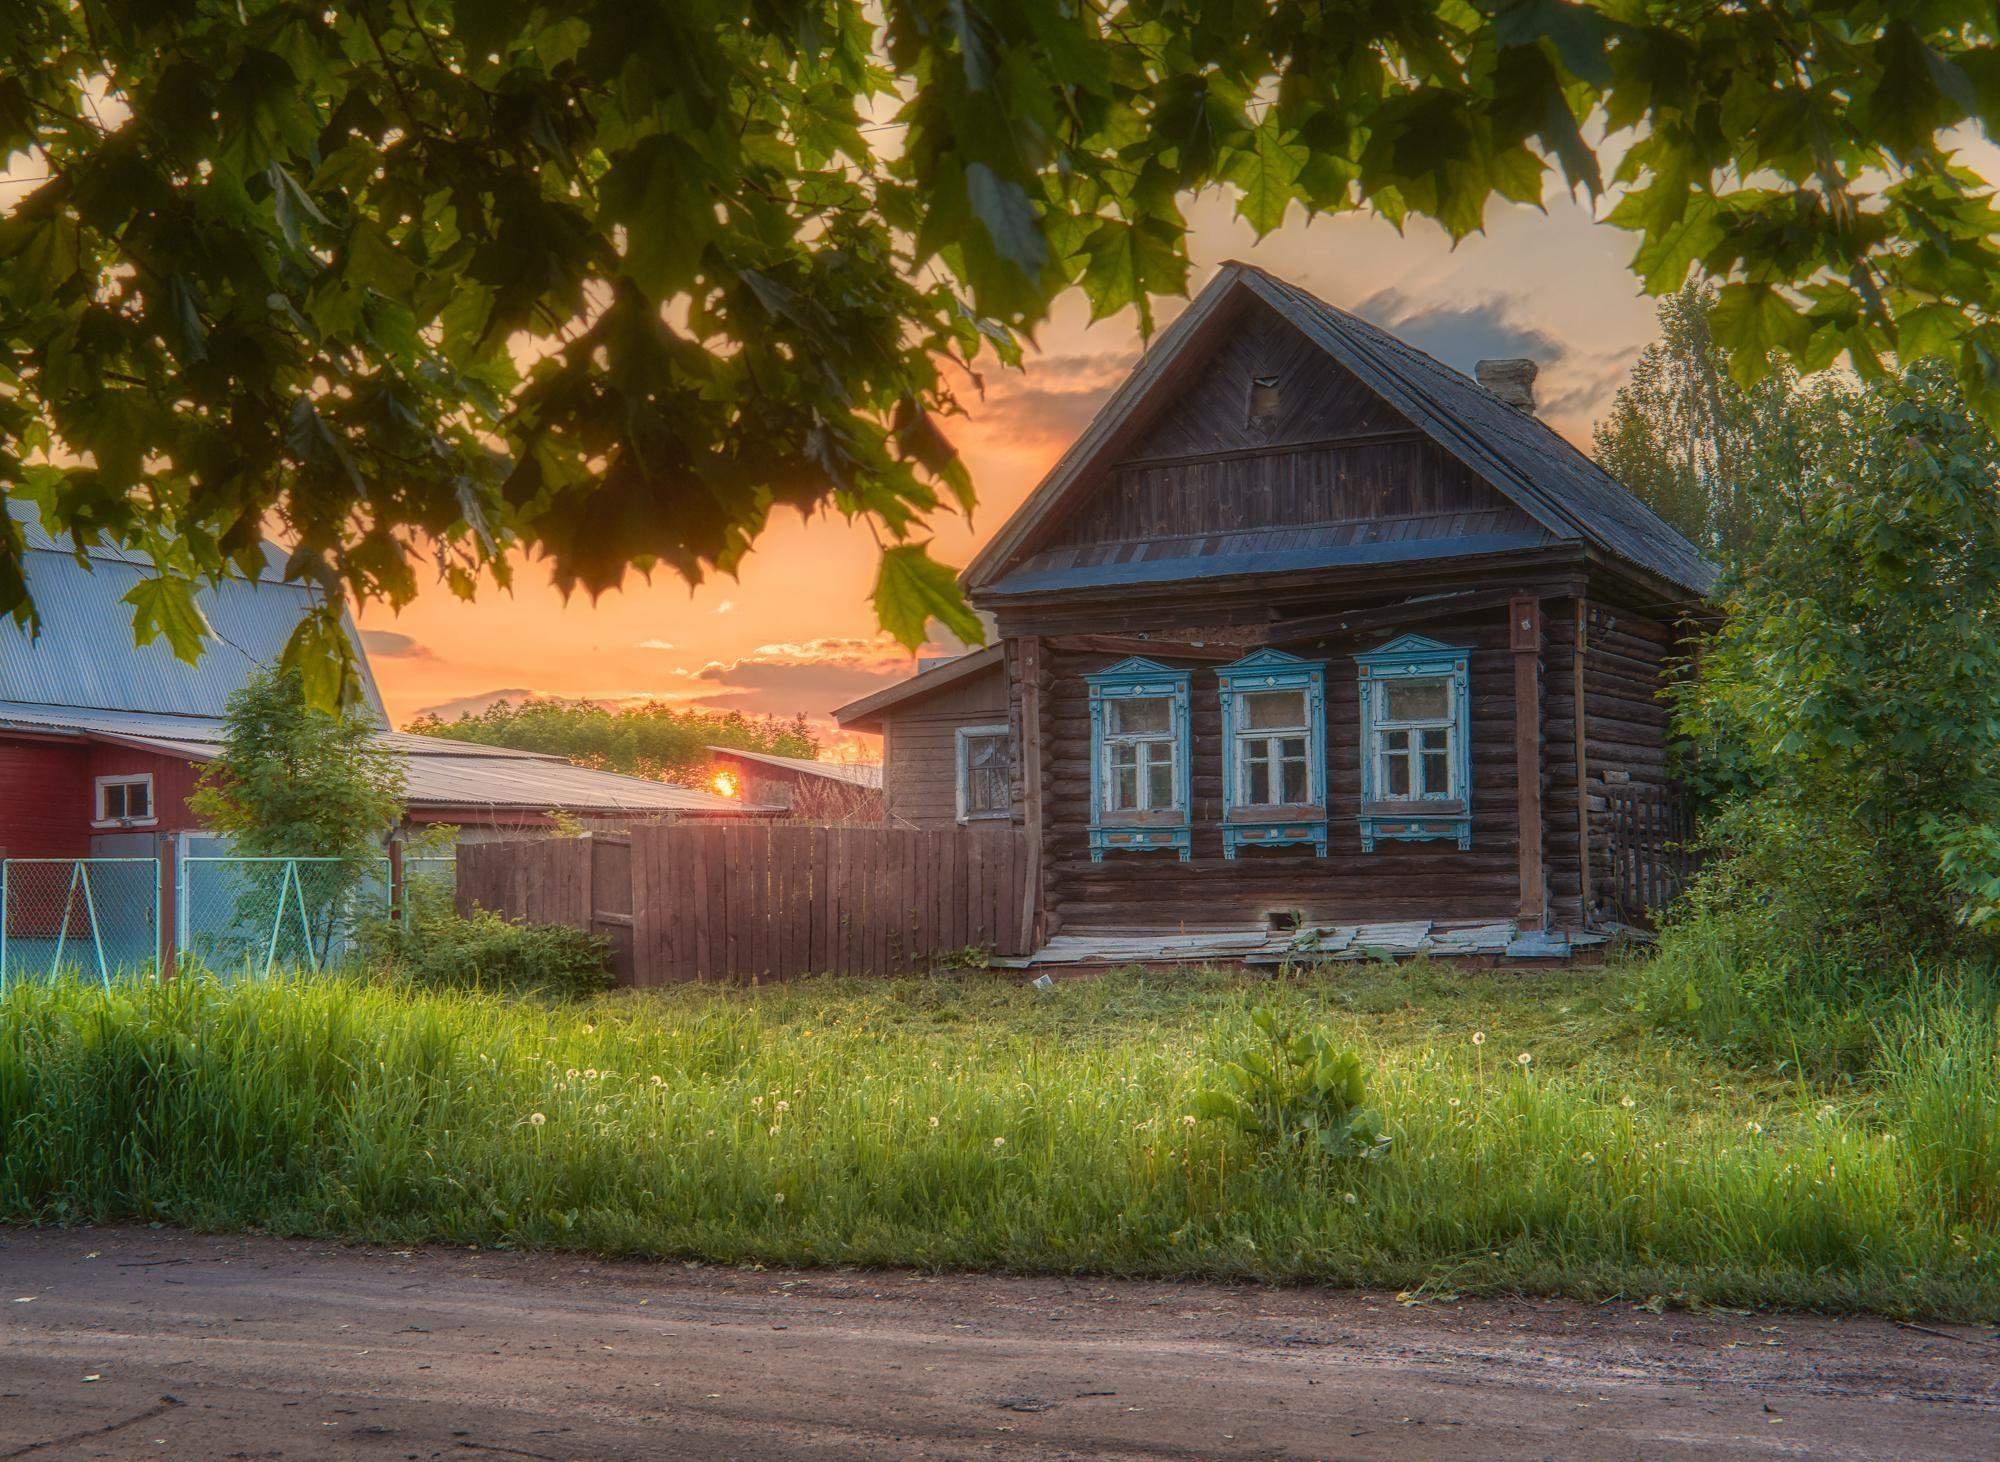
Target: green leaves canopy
{"type": "Point", "coordinates": [423, 281]}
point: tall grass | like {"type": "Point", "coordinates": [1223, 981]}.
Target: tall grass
{"type": "Point", "coordinates": [980, 1124]}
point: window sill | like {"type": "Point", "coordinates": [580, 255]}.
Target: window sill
{"type": "Point", "coordinates": [125, 824]}
{"type": "Point", "coordinates": [965, 817]}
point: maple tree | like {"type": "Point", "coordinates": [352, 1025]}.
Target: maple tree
{"type": "Point", "coordinates": [612, 280]}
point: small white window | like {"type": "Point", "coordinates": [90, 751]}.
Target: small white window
{"type": "Point", "coordinates": [985, 772]}
{"type": "Point", "coordinates": [1273, 748]}
{"type": "Point", "coordinates": [125, 801]}
{"type": "Point", "coordinates": [1139, 745]}
{"type": "Point", "coordinates": [1416, 725]}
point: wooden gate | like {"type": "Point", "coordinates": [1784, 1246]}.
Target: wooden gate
{"type": "Point", "coordinates": [1652, 852]}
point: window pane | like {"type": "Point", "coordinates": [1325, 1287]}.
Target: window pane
{"type": "Point", "coordinates": [1259, 792]}
{"type": "Point", "coordinates": [1125, 754]}
{"type": "Point", "coordinates": [1138, 715]}
{"type": "Point", "coordinates": [1396, 772]}
{"type": "Point", "coordinates": [136, 796]}
{"type": "Point", "coordinates": [114, 800]}
{"type": "Point", "coordinates": [1268, 710]}
{"type": "Point", "coordinates": [1435, 738]}
{"type": "Point", "coordinates": [1125, 788]}
{"type": "Point", "coordinates": [1295, 780]}
{"type": "Point", "coordinates": [986, 751]}
{"type": "Point", "coordinates": [1160, 785]}
{"type": "Point", "coordinates": [1437, 774]}
{"type": "Point", "coordinates": [1396, 740]}
{"type": "Point", "coordinates": [1416, 700]}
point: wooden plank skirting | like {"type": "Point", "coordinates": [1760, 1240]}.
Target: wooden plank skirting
{"type": "Point", "coordinates": [761, 901]}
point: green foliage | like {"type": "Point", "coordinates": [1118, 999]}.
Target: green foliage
{"type": "Point", "coordinates": [1854, 688]}
{"type": "Point", "coordinates": [435, 949]}
{"type": "Point", "coordinates": [969, 1123]}
{"type": "Point", "coordinates": [612, 280]}
{"type": "Point", "coordinates": [296, 781]}
{"type": "Point", "coordinates": [1295, 1095]}
{"type": "Point", "coordinates": [1717, 461]}
{"type": "Point", "coordinates": [651, 740]}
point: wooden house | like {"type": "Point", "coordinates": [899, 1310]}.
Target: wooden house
{"type": "Point", "coordinates": [1309, 627]}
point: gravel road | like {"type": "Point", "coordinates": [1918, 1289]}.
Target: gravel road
{"type": "Point", "coordinates": [142, 1342]}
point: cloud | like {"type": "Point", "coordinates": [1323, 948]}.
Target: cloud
{"type": "Point", "coordinates": [1573, 385]}
{"type": "Point", "coordinates": [810, 676]}
{"type": "Point", "coordinates": [727, 606]}
{"type": "Point", "coordinates": [391, 645]}
{"type": "Point", "coordinates": [656, 645]}
{"type": "Point", "coordinates": [1053, 397]}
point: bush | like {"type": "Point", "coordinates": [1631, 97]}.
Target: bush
{"type": "Point", "coordinates": [438, 950]}
{"type": "Point", "coordinates": [1296, 1095]}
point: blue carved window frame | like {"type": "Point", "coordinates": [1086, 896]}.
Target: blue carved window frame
{"type": "Point", "coordinates": [1153, 830]}
{"type": "Point", "coordinates": [1246, 824]}
{"type": "Point", "coordinates": [1432, 817]}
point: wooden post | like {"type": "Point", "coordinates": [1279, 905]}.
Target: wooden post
{"type": "Point", "coordinates": [1582, 766]}
{"type": "Point", "coordinates": [1524, 638]}
{"type": "Point", "coordinates": [1027, 666]}
{"type": "Point", "coordinates": [396, 903]}
{"type": "Point", "coordinates": [168, 907]}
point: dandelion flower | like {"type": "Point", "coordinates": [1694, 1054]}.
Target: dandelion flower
{"type": "Point", "coordinates": [1350, 1197]}
{"type": "Point", "coordinates": [1755, 1129]}
{"type": "Point", "coordinates": [999, 1142]}
{"type": "Point", "coordinates": [777, 1198]}
{"type": "Point", "coordinates": [590, 1030]}
{"type": "Point", "coordinates": [659, 1080]}
{"type": "Point", "coordinates": [934, 1121]}
{"type": "Point", "coordinates": [1188, 1120]}
{"type": "Point", "coordinates": [756, 1101]}
{"type": "Point", "coordinates": [535, 1119]}
{"type": "Point", "coordinates": [590, 1074]}
{"type": "Point", "coordinates": [571, 1074]}
{"type": "Point", "coordinates": [1454, 1101]}
{"type": "Point", "coordinates": [1525, 1057]}
{"type": "Point", "coordinates": [1627, 1103]}
{"type": "Point", "coordinates": [784, 1106]}
{"type": "Point", "coordinates": [1479, 1038]}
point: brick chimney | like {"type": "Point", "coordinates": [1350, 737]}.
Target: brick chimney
{"type": "Point", "coordinates": [1513, 381]}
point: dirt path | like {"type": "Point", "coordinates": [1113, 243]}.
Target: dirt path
{"type": "Point", "coordinates": [130, 1342]}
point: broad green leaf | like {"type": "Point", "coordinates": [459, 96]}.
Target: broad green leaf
{"type": "Point", "coordinates": [162, 605]}
{"type": "Point", "coordinates": [912, 589]}
{"type": "Point", "coordinates": [1266, 173]}
{"type": "Point", "coordinates": [1750, 322]}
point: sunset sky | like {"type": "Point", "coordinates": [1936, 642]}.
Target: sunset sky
{"type": "Point", "coordinates": [796, 632]}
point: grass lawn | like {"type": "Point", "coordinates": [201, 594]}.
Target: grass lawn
{"type": "Point", "coordinates": [1544, 1137]}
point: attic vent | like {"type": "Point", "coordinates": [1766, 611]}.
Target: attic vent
{"type": "Point", "coordinates": [1513, 381]}
{"type": "Point", "coordinates": [1263, 402]}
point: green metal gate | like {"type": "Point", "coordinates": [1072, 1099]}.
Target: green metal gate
{"type": "Point", "coordinates": [92, 918]}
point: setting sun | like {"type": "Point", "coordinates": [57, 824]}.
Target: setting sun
{"type": "Point", "coordinates": [725, 784]}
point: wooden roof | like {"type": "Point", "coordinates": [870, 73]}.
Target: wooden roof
{"type": "Point", "coordinates": [1567, 495]}
{"type": "Point", "coordinates": [867, 712]}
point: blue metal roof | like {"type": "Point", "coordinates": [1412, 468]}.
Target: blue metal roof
{"type": "Point", "coordinates": [85, 658]}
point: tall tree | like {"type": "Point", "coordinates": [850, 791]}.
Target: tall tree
{"type": "Point", "coordinates": [612, 280]}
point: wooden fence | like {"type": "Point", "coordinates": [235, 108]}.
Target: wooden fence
{"type": "Point", "coordinates": [1653, 854]}
{"type": "Point", "coordinates": [760, 901]}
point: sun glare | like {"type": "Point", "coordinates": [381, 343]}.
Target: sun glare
{"type": "Point", "coordinates": [725, 784]}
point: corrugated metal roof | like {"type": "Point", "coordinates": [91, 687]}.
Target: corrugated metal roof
{"type": "Point", "coordinates": [855, 773]}
{"type": "Point", "coordinates": [85, 658]}
{"type": "Point", "coordinates": [438, 774]}
{"type": "Point", "coordinates": [1271, 551]}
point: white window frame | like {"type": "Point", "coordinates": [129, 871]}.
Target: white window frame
{"type": "Point", "coordinates": [1169, 738]}
{"type": "Point", "coordinates": [962, 780]}
{"type": "Point", "coordinates": [1307, 731]}
{"type": "Point", "coordinates": [1446, 722]}
{"type": "Point", "coordinates": [101, 818]}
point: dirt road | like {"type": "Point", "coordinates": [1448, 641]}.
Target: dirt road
{"type": "Point", "coordinates": [136, 1342]}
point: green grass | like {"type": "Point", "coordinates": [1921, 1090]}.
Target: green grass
{"type": "Point", "coordinates": [974, 1122]}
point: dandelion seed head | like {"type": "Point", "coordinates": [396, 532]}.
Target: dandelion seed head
{"type": "Point", "coordinates": [1479, 1038]}
{"type": "Point", "coordinates": [535, 1119]}
{"type": "Point", "coordinates": [999, 1142]}
{"type": "Point", "coordinates": [1525, 1057]}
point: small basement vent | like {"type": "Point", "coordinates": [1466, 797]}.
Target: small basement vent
{"type": "Point", "coordinates": [1263, 402]}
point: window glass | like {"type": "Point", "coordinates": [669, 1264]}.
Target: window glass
{"type": "Point", "coordinates": [985, 773]}
{"type": "Point", "coordinates": [1150, 715]}
{"type": "Point", "coordinates": [1416, 700]}
{"type": "Point", "coordinates": [1268, 710]}
{"type": "Point", "coordinates": [126, 800]}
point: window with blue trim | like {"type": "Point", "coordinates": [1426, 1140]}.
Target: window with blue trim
{"type": "Point", "coordinates": [1274, 742]}
{"type": "Point", "coordinates": [1139, 740]}
{"type": "Point", "coordinates": [1416, 745]}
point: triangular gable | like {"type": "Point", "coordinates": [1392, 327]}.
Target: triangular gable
{"type": "Point", "coordinates": [1268, 659]}
{"type": "Point", "coordinates": [1134, 667]}
{"type": "Point", "coordinates": [1521, 458]}
{"type": "Point", "coordinates": [1407, 645]}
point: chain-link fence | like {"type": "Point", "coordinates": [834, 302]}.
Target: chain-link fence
{"type": "Point", "coordinates": [248, 915]}
{"type": "Point", "coordinates": [93, 918]}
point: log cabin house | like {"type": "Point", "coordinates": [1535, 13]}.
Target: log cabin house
{"type": "Point", "coordinates": [1307, 629]}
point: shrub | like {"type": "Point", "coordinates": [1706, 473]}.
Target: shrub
{"type": "Point", "coordinates": [439, 950]}
{"type": "Point", "coordinates": [1295, 1095]}
{"type": "Point", "coordinates": [1941, 1074]}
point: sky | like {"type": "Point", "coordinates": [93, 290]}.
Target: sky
{"type": "Point", "coordinates": [795, 633]}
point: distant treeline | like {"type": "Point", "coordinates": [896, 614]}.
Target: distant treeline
{"type": "Point", "coordinates": [650, 740]}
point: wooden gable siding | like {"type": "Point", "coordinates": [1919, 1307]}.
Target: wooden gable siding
{"type": "Point", "coordinates": [1334, 454]}
{"type": "Point", "coordinates": [920, 753]}
{"type": "Point", "coordinates": [1399, 880]}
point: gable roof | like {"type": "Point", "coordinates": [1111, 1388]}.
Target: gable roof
{"type": "Point", "coordinates": [860, 715]}
{"type": "Point", "coordinates": [85, 658]}
{"type": "Point", "coordinates": [1567, 495]}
